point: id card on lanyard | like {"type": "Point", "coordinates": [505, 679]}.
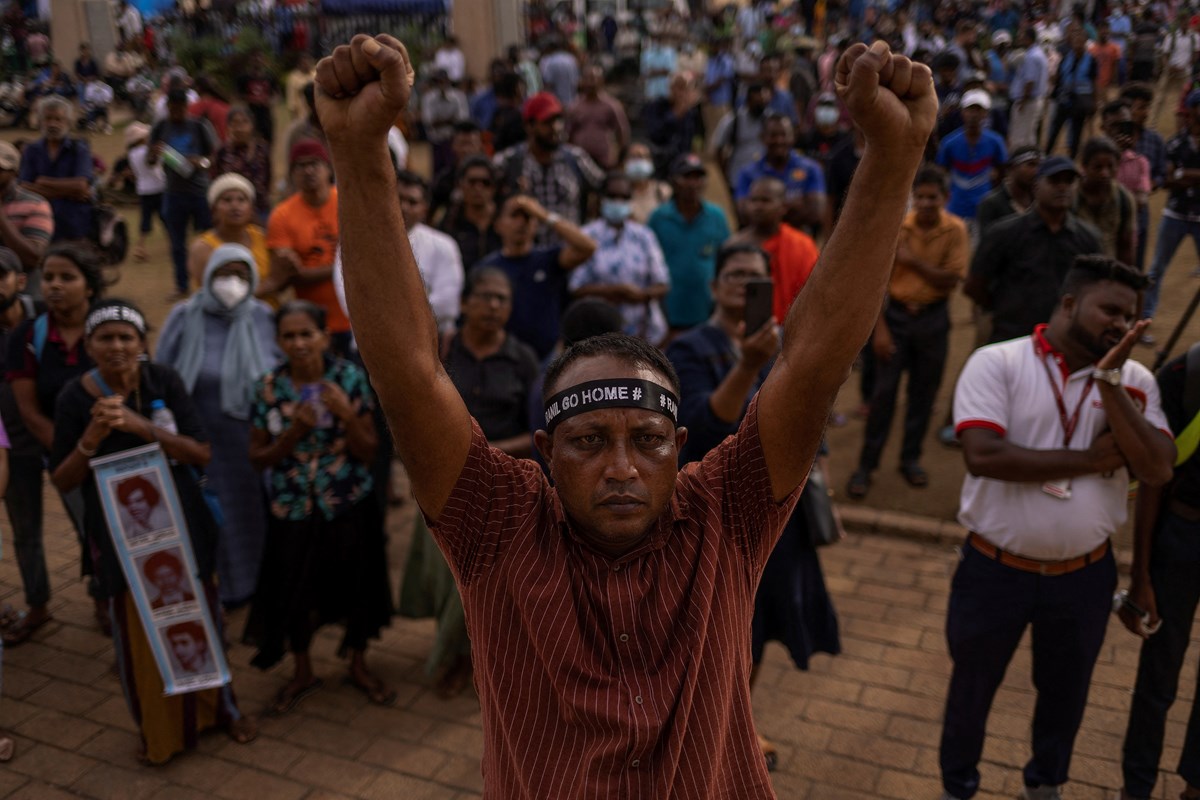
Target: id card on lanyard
{"type": "Point", "coordinates": [1061, 488]}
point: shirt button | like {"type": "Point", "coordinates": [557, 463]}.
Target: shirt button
{"type": "Point", "coordinates": [637, 762]}
{"type": "Point", "coordinates": [624, 637]}
{"type": "Point", "coordinates": [617, 568]}
{"type": "Point", "coordinates": [638, 699]}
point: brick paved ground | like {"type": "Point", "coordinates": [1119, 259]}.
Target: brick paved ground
{"type": "Point", "coordinates": [863, 725]}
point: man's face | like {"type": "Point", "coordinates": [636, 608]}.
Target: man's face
{"type": "Point", "coordinates": [928, 200]}
{"type": "Point", "coordinates": [12, 283]}
{"type": "Point", "coordinates": [464, 145]}
{"type": "Point", "coordinates": [973, 117]}
{"type": "Point", "coordinates": [166, 579]}
{"type": "Point", "coordinates": [241, 129]}
{"type": "Point", "coordinates": [756, 102]}
{"type": "Point", "coordinates": [187, 650]}
{"type": "Point", "coordinates": [1101, 315]}
{"type": "Point", "coordinates": [516, 228]}
{"type": "Point", "coordinates": [614, 468]}
{"type": "Point", "coordinates": [766, 206]}
{"type": "Point", "coordinates": [1056, 192]}
{"type": "Point", "coordinates": [777, 139]}
{"type": "Point", "coordinates": [478, 186]}
{"type": "Point", "coordinates": [1025, 174]}
{"type": "Point", "coordinates": [1099, 170]}
{"type": "Point", "coordinates": [548, 134]}
{"type": "Point", "coordinates": [311, 175]}
{"type": "Point", "coordinates": [589, 82]}
{"type": "Point", "coordinates": [729, 288]}
{"type": "Point", "coordinates": [412, 205]}
{"type": "Point", "coordinates": [7, 176]}
{"type": "Point", "coordinates": [1078, 40]}
{"type": "Point", "coordinates": [1118, 126]}
{"type": "Point", "coordinates": [1139, 112]}
{"type": "Point", "coordinates": [55, 124]}
{"type": "Point", "coordinates": [489, 305]}
{"type": "Point", "coordinates": [689, 186]}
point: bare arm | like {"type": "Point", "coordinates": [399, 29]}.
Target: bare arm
{"type": "Point", "coordinates": [41, 426]}
{"type": "Point", "coordinates": [361, 90]}
{"type": "Point", "coordinates": [893, 101]}
{"type": "Point", "coordinates": [28, 250]}
{"type": "Point", "coordinates": [198, 256]}
{"type": "Point", "coordinates": [990, 455]}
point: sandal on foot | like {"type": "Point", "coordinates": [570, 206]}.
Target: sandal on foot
{"type": "Point", "coordinates": [916, 477]}
{"type": "Point", "coordinates": [7, 748]}
{"type": "Point", "coordinates": [20, 631]}
{"type": "Point", "coordinates": [769, 754]}
{"type": "Point", "coordinates": [242, 731]}
{"type": "Point", "coordinates": [9, 616]}
{"type": "Point", "coordinates": [859, 484]}
{"type": "Point", "coordinates": [288, 698]}
{"type": "Point", "coordinates": [376, 692]}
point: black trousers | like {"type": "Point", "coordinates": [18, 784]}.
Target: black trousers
{"type": "Point", "coordinates": [1175, 576]}
{"type": "Point", "coordinates": [991, 605]}
{"type": "Point", "coordinates": [921, 341]}
{"type": "Point", "coordinates": [1075, 120]}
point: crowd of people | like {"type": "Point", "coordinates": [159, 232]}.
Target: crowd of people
{"type": "Point", "coordinates": [569, 200]}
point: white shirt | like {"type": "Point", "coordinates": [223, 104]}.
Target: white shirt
{"type": "Point", "coordinates": [1181, 49]}
{"type": "Point", "coordinates": [453, 61]}
{"type": "Point", "coordinates": [149, 179]}
{"type": "Point", "coordinates": [399, 147]}
{"type": "Point", "coordinates": [440, 264]}
{"type": "Point", "coordinates": [97, 93]}
{"type": "Point", "coordinates": [1004, 388]}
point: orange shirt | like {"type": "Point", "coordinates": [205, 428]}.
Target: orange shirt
{"type": "Point", "coordinates": [793, 256]}
{"type": "Point", "coordinates": [313, 234]}
{"type": "Point", "coordinates": [945, 245]}
{"type": "Point", "coordinates": [1106, 57]}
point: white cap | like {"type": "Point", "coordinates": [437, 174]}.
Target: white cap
{"type": "Point", "coordinates": [977, 97]}
{"type": "Point", "coordinates": [1001, 37]}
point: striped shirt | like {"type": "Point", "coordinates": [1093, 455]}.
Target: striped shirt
{"type": "Point", "coordinates": [624, 677]}
{"type": "Point", "coordinates": [29, 213]}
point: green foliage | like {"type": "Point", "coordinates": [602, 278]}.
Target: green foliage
{"type": "Point", "coordinates": [223, 60]}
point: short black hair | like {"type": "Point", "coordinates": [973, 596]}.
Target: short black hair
{"type": "Point", "coordinates": [313, 311]}
{"type": "Point", "coordinates": [613, 175]}
{"type": "Point", "coordinates": [508, 85]}
{"type": "Point", "coordinates": [630, 349]}
{"type": "Point", "coordinates": [1098, 145]}
{"type": "Point", "coordinates": [408, 179]}
{"type": "Point", "coordinates": [946, 60]}
{"type": "Point", "coordinates": [588, 317]}
{"type": "Point", "coordinates": [777, 117]}
{"type": "Point", "coordinates": [728, 251]}
{"type": "Point", "coordinates": [935, 175]}
{"type": "Point", "coordinates": [466, 126]}
{"type": "Point", "coordinates": [1137, 91]}
{"type": "Point", "coordinates": [478, 274]}
{"type": "Point", "coordinates": [1088, 270]}
{"type": "Point", "coordinates": [1114, 107]}
{"type": "Point", "coordinates": [476, 162]}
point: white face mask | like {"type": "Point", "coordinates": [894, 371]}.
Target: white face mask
{"type": "Point", "coordinates": [230, 290]}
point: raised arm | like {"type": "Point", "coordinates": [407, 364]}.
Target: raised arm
{"type": "Point", "coordinates": [892, 100]}
{"type": "Point", "coordinates": [361, 89]}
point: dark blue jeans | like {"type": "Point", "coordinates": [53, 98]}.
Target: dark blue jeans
{"type": "Point", "coordinates": [991, 605]}
{"type": "Point", "coordinates": [180, 208]}
{"type": "Point", "coordinates": [1175, 576]}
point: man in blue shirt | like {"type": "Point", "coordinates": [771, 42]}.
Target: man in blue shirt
{"type": "Point", "coordinates": [719, 79]}
{"type": "Point", "coordinates": [971, 155]}
{"type": "Point", "coordinates": [538, 274]}
{"type": "Point", "coordinates": [59, 168]}
{"type": "Point", "coordinates": [658, 62]}
{"type": "Point", "coordinates": [1028, 91]}
{"type": "Point", "coordinates": [802, 177]}
{"type": "Point", "coordinates": [690, 231]}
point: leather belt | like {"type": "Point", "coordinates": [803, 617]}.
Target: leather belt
{"type": "Point", "coordinates": [1047, 568]}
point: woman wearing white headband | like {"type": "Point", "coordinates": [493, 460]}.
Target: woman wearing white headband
{"type": "Point", "coordinates": [107, 410]}
{"type": "Point", "coordinates": [231, 198]}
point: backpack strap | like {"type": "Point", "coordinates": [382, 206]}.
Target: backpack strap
{"type": "Point", "coordinates": [1189, 440]}
{"type": "Point", "coordinates": [41, 332]}
{"type": "Point", "coordinates": [101, 384]}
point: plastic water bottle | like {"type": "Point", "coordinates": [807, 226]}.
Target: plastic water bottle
{"type": "Point", "coordinates": [161, 417]}
{"type": "Point", "coordinates": [175, 161]}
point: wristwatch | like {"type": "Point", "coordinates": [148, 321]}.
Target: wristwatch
{"type": "Point", "coordinates": [552, 219]}
{"type": "Point", "coordinates": [1110, 376]}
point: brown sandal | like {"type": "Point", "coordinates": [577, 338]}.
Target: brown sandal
{"type": "Point", "coordinates": [242, 731]}
{"type": "Point", "coordinates": [20, 631]}
{"type": "Point", "coordinates": [769, 754]}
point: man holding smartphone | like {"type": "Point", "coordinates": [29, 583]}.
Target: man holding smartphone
{"type": "Point", "coordinates": [913, 331]}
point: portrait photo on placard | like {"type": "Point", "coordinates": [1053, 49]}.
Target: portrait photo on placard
{"type": "Point", "coordinates": [141, 505]}
{"type": "Point", "coordinates": [189, 648]}
{"type": "Point", "coordinates": [166, 579]}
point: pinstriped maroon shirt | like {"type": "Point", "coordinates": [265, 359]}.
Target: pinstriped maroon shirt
{"type": "Point", "coordinates": [623, 677]}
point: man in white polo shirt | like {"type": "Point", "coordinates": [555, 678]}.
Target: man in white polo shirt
{"type": "Point", "coordinates": [1053, 428]}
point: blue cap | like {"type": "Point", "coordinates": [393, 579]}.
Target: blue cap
{"type": "Point", "coordinates": [1056, 164]}
{"type": "Point", "coordinates": [1193, 98]}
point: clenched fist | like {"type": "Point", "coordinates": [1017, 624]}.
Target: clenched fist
{"type": "Point", "coordinates": [361, 90]}
{"type": "Point", "coordinates": [890, 98]}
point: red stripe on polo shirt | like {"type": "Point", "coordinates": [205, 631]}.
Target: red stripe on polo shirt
{"type": "Point", "coordinates": [978, 423]}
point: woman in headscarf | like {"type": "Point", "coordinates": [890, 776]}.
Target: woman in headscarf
{"type": "Point", "coordinates": [221, 341]}
{"type": "Point", "coordinates": [107, 410]}
{"type": "Point", "coordinates": [231, 198]}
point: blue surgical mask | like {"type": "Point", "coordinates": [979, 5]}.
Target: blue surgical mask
{"type": "Point", "coordinates": [615, 211]}
{"type": "Point", "coordinates": [826, 115]}
{"type": "Point", "coordinates": [639, 169]}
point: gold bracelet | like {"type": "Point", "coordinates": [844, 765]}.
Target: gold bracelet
{"type": "Point", "coordinates": [84, 451]}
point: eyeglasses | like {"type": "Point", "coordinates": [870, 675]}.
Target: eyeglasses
{"type": "Point", "coordinates": [479, 182]}
{"type": "Point", "coordinates": [742, 276]}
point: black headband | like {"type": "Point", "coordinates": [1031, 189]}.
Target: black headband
{"type": "Point", "coordinates": [614, 393]}
{"type": "Point", "coordinates": [115, 313]}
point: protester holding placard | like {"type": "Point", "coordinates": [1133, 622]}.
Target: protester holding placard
{"type": "Point", "coordinates": [106, 411]}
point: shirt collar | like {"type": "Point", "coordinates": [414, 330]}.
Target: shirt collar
{"type": "Point", "coordinates": [1043, 349]}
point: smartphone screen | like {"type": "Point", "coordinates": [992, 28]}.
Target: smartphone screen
{"type": "Point", "coordinates": [759, 303]}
